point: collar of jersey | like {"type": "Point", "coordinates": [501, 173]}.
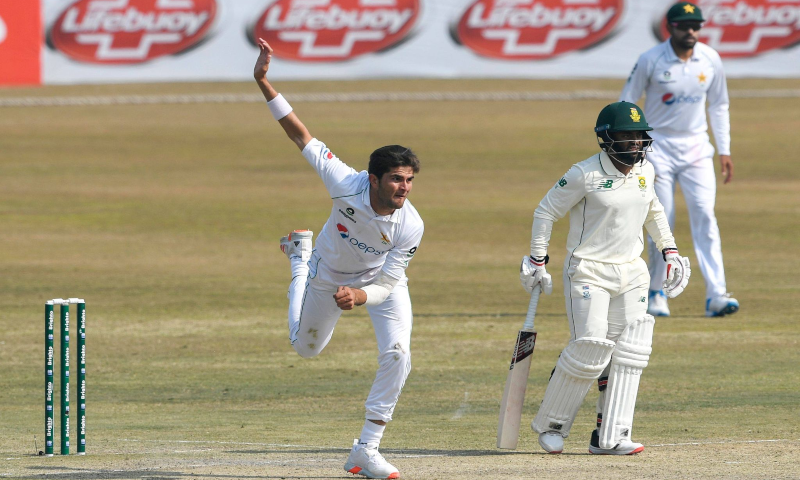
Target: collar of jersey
{"type": "Point", "coordinates": [672, 57]}
{"type": "Point", "coordinates": [608, 167]}
{"type": "Point", "coordinates": [394, 217]}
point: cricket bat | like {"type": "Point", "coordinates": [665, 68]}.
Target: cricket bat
{"type": "Point", "coordinates": [517, 380]}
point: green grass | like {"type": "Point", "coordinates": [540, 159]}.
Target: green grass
{"type": "Point", "coordinates": [166, 219]}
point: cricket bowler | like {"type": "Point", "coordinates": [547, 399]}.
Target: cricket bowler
{"type": "Point", "coordinates": [609, 197]}
{"type": "Point", "coordinates": [678, 76]}
{"type": "Point", "coordinates": [360, 259]}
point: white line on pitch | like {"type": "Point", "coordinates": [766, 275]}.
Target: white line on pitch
{"type": "Point", "coordinates": [721, 443]}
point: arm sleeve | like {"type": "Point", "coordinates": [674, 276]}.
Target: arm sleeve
{"type": "Point", "coordinates": [335, 174]}
{"type": "Point", "coordinates": [718, 109]}
{"type": "Point", "coordinates": [398, 257]}
{"type": "Point", "coordinates": [636, 84]}
{"type": "Point", "coordinates": [564, 195]}
{"type": "Point", "coordinates": [379, 289]}
{"type": "Point", "coordinates": [658, 227]}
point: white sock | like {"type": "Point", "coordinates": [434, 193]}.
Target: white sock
{"type": "Point", "coordinates": [296, 291]}
{"type": "Point", "coordinates": [371, 433]}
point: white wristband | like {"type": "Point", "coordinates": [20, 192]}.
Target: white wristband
{"type": "Point", "coordinates": [279, 107]}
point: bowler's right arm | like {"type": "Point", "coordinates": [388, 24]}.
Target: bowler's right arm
{"type": "Point", "coordinates": [292, 125]}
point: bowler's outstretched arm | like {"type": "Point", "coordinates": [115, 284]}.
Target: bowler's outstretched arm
{"type": "Point", "coordinates": [292, 125]}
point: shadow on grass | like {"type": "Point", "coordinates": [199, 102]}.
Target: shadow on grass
{"type": "Point", "coordinates": [85, 473]}
{"type": "Point", "coordinates": [399, 452]}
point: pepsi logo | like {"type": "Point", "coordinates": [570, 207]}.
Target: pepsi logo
{"type": "Point", "coordinates": [130, 31]}
{"type": "Point", "coordinates": [669, 98]}
{"type": "Point", "coordinates": [536, 29]}
{"type": "Point", "coordinates": [746, 28]}
{"type": "Point", "coordinates": [342, 230]}
{"type": "Point", "coordinates": [327, 154]}
{"type": "Point", "coordinates": [335, 30]}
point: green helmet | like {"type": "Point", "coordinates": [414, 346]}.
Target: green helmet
{"type": "Point", "coordinates": [622, 117]}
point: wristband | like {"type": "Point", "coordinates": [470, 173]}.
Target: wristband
{"type": "Point", "coordinates": [667, 251]}
{"type": "Point", "coordinates": [540, 261]}
{"type": "Point", "coordinates": [279, 107]}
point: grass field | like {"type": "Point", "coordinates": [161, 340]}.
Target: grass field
{"type": "Point", "coordinates": [166, 219]}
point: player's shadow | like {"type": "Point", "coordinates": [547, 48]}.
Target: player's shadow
{"type": "Point", "coordinates": [58, 472]}
{"type": "Point", "coordinates": [401, 452]}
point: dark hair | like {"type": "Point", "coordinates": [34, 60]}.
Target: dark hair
{"type": "Point", "coordinates": [386, 158]}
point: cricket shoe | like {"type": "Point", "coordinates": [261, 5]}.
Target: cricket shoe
{"type": "Point", "coordinates": [298, 244]}
{"type": "Point", "coordinates": [657, 304]}
{"type": "Point", "coordinates": [721, 306]}
{"type": "Point", "coordinates": [625, 447]}
{"type": "Point", "coordinates": [365, 459]}
{"type": "Point", "coordinates": [551, 442]}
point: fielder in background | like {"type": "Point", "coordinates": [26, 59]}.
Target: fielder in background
{"type": "Point", "coordinates": [360, 258]}
{"type": "Point", "coordinates": [609, 197]}
{"type": "Point", "coordinates": [678, 76]}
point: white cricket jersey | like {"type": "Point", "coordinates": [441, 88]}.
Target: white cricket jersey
{"type": "Point", "coordinates": [677, 92]}
{"type": "Point", "coordinates": [607, 211]}
{"type": "Point", "coordinates": [355, 240]}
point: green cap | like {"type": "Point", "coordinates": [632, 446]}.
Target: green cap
{"type": "Point", "coordinates": [621, 116]}
{"type": "Point", "coordinates": [685, 12]}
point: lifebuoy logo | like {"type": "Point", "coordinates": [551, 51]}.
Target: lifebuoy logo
{"type": "Point", "coordinates": [744, 28]}
{"type": "Point", "coordinates": [536, 29]}
{"type": "Point", "coordinates": [130, 31]}
{"type": "Point", "coordinates": [335, 30]}
{"type": "Point", "coordinates": [3, 30]}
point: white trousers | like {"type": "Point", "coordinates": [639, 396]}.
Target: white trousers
{"type": "Point", "coordinates": [603, 298]}
{"type": "Point", "coordinates": [689, 161]}
{"type": "Point", "coordinates": [313, 315]}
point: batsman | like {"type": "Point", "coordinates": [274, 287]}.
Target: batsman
{"type": "Point", "coordinates": [609, 197]}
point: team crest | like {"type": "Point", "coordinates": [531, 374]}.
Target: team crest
{"type": "Point", "coordinates": [384, 239]}
{"type": "Point", "coordinates": [688, 8]}
{"type": "Point", "coordinates": [642, 184]}
{"type": "Point", "coordinates": [635, 115]}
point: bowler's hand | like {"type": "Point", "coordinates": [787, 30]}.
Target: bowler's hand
{"type": "Point", "coordinates": [345, 298]}
{"type": "Point", "coordinates": [262, 64]}
{"type": "Point", "coordinates": [726, 168]}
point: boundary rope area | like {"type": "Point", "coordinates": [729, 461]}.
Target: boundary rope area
{"type": "Point", "coordinates": [73, 101]}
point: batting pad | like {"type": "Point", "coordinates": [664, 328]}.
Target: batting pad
{"type": "Point", "coordinates": [630, 358]}
{"type": "Point", "coordinates": [577, 368]}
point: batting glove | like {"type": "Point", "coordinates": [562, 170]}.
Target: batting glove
{"type": "Point", "coordinates": [532, 272]}
{"type": "Point", "coordinates": [678, 272]}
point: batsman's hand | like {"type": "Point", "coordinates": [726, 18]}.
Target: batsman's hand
{"type": "Point", "coordinates": [264, 57]}
{"type": "Point", "coordinates": [532, 273]}
{"type": "Point", "coordinates": [678, 272]}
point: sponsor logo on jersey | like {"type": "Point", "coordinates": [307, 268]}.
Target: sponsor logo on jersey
{"type": "Point", "coordinates": [335, 30]}
{"type": "Point", "coordinates": [345, 234]}
{"type": "Point", "coordinates": [130, 31]}
{"type": "Point", "coordinates": [535, 29]}
{"type": "Point", "coordinates": [745, 28]}
{"type": "Point", "coordinates": [327, 154]}
{"type": "Point", "coordinates": [669, 98]}
{"type": "Point", "coordinates": [562, 182]}
{"type": "Point", "coordinates": [605, 184]}
{"type": "Point", "coordinates": [412, 251]}
{"type": "Point", "coordinates": [349, 214]}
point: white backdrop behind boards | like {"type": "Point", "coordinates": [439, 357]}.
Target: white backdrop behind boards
{"type": "Point", "coordinates": [105, 41]}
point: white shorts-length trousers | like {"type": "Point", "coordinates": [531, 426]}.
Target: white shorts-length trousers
{"type": "Point", "coordinates": [313, 315]}
{"type": "Point", "coordinates": [689, 161]}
